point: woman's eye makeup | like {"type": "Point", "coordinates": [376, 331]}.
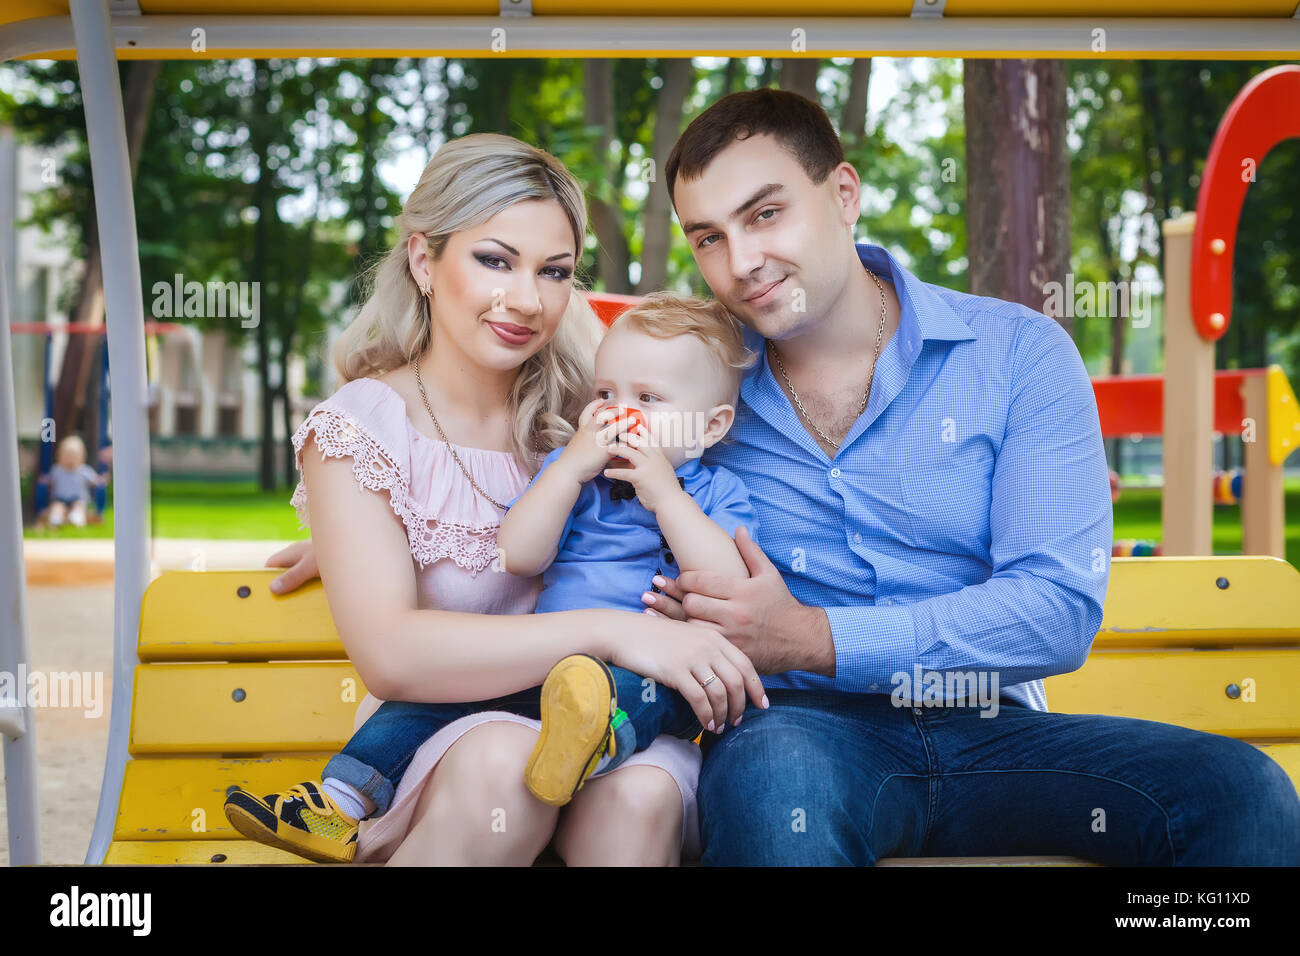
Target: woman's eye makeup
{"type": "Point", "coordinates": [559, 273]}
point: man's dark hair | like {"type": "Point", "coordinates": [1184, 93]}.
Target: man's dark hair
{"type": "Point", "coordinates": [797, 123]}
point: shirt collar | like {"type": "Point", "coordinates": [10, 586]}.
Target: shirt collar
{"type": "Point", "coordinates": [924, 315]}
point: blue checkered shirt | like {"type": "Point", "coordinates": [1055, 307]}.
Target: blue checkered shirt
{"type": "Point", "coordinates": [964, 523]}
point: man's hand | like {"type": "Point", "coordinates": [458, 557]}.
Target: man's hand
{"type": "Point", "coordinates": [758, 615]}
{"type": "Point", "coordinates": [300, 559]}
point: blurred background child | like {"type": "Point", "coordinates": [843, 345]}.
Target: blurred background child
{"type": "Point", "coordinates": [71, 482]}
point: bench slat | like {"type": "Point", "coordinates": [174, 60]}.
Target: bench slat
{"type": "Point", "coordinates": [181, 798]}
{"type": "Point", "coordinates": [1177, 601]}
{"type": "Point", "coordinates": [1151, 602]}
{"type": "Point", "coordinates": [160, 794]}
{"type": "Point", "coordinates": [171, 852]}
{"type": "Point", "coordinates": [199, 616]}
{"type": "Point", "coordinates": [1187, 689]}
{"type": "Point", "coordinates": [193, 708]}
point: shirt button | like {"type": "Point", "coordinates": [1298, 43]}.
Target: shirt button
{"type": "Point", "coordinates": [917, 711]}
{"type": "Point", "coordinates": [885, 601]}
{"type": "Point", "coordinates": [835, 472]}
{"type": "Point", "coordinates": [857, 538]}
{"type": "Point", "coordinates": [668, 556]}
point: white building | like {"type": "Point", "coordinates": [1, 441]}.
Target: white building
{"type": "Point", "coordinates": [204, 415]}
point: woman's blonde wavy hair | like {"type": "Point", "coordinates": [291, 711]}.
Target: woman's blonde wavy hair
{"type": "Point", "coordinates": [467, 182]}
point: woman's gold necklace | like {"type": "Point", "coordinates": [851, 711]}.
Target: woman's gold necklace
{"type": "Point", "coordinates": [870, 378]}
{"type": "Point", "coordinates": [443, 435]}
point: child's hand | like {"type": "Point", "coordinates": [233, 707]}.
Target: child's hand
{"type": "Point", "coordinates": [649, 471]}
{"type": "Point", "coordinates": [592, 444]}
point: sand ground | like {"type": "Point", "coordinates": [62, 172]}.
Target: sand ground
{"type": "Point", "coordinates": [70, 628]}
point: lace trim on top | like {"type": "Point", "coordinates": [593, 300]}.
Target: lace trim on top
{"type": "Point", "coordinates": [472, 547]}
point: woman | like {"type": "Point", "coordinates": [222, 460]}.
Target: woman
{"type": "Point", "coordinates": [469, 361]}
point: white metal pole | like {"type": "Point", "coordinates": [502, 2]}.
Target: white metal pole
{"type": "Point", "coordinates": [101, 94]}
{"type": "Point", "coordinates": [16, 724]}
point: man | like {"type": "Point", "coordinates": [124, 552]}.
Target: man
{"type": "Point", "coordinates": [940, 510]}
{"type": "Point", "coordinates": [932, 498]}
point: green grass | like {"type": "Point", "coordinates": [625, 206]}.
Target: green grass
{"type": "Point", "coordinates": [212, 510]}
{"type": "Point", "coordinates": [227, 510]}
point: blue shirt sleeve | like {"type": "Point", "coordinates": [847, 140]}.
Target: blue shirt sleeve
{"type": "Point", "coordinates": [729, 505]}
{"type": "Point", "coordinates": [568, 522]}
{"type": "Point", "coordinates": [1050, 526]}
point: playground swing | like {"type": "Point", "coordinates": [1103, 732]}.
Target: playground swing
{"type": "Point", "coordinates": [247, 692]}
{"type": "Point", "coordinates": [41, 490]}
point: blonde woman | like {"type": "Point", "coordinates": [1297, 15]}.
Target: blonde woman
{"type": "Point", "coordinates": [469, 361]}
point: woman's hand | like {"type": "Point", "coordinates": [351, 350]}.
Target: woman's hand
{"type": "Point", "coordinates": [300, 559]}
{"type": "Point", "coordinates": [683, 656]}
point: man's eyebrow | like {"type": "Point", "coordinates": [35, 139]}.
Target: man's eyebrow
{"type": "Point", "coordinates": [514, 252]}
{"type": "Point", "coordinates": [762, 193]}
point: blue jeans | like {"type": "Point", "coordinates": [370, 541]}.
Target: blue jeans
{"type": "Point", "coordinates": [825, 778]}
{"type": "Point", "coordinates": [380, 751]}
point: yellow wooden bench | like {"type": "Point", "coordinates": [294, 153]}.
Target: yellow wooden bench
{"type": "Point", "coordinates": [239, 687]}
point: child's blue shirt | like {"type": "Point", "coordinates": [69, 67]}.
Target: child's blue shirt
{"type": "Point", "coordinates": [610, 550]}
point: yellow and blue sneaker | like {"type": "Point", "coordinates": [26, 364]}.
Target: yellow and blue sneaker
{"type": "Point", "coordinates": [303, 819]}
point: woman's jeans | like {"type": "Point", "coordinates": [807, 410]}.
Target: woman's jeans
{"type": "Point", "coordinates": [826, 778]}
{"type": "Point", "coordinates": [380, 751]}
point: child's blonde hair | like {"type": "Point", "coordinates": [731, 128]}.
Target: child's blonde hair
{"type": "Point", "coordinates": [666, 315]}
{"type": "Point", "coordinates": [73, 442]}
{"type": "Point", "coordinates": [467, 182]}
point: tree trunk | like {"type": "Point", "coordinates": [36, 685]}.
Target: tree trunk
{"type": "Point", "coordinates": [1018, 180]}
{"type": "Point", "coordinates": [79, 357]}
{"type": "Point", "coordinates": [286, 342]}
{"type": "Point", "coordinates": [366, 213]}
{"type": "Point", "coordinates": [1152, 120]}
{"type": "Point", "coordinates": [260, 141]}
{"type": "Point", "coordinates": [799, 75]}
{"type": "Point", "coordinates": [1118, 321]}
{"type": "Point", "coordinates": [853, 122]}
{"type": "Point", "coordinates": [612, 253]}
{"type": "Point", "coordinates": [678, 75]}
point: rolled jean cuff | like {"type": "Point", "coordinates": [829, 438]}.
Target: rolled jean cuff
{"type": "Point", "coordinates": [624, 743]}
{"type": "Point", "coordinates": [363, 779]}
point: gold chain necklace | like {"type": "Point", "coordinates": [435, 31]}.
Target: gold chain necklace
{"type": "Point", "coordinates": [441, 434]}
{"type": "Point", "coordinates": [861, 408]}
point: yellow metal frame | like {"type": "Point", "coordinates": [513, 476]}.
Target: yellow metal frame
{"type": "Point", "coordinates": [1155, 29]}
